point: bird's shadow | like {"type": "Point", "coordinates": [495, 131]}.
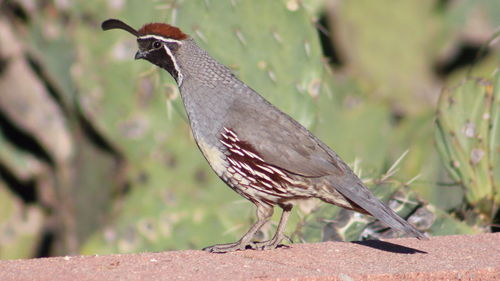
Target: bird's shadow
{"type": "Point", "coordinates": [389, 247]}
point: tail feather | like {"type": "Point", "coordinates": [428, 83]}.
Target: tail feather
{"type": "Point", "coordinates": [356, 192]}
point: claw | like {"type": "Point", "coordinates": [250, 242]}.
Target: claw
{"type": "Point", "coordinates": [230, 247]}
{"type": "Point", "coordinates": [269, 245]}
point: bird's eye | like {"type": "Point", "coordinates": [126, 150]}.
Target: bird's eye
{"type": "Point", "coordinates": [156, 44]}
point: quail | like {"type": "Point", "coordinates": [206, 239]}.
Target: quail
{"type": "Point", "coordinates": [260, 152]}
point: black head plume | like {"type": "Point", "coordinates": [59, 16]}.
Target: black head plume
{"type": "Point", "coordinates": [118, 24]}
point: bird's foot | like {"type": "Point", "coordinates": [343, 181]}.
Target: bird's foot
{"type": "Point", "coordinates": [269, 245]}
{"type": "Point", "coordinates": [229, 247]}
{"type": "Point", "coordinates": [240, 246]}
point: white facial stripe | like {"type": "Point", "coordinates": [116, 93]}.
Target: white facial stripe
{"type": "Point", "coordinates": [179, 74]}
{"type": "Point", "coordinates": [160, 39]}
{"type": "Point", "coordinates": [167, 40]}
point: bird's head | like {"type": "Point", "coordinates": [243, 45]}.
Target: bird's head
{"type": "Point", "coordinates": [158, 43]}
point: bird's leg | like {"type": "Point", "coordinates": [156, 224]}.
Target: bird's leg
{"type": "Point", "coordinates": [278, 236]}
{"type": "Point", "coordinates": [264, 213]}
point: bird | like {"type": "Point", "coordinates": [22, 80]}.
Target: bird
{"type": "Point", "coordinates": [256, 149]}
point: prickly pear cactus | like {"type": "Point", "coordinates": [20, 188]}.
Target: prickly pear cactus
{"type": "Point", "coordinates": [468, 139]}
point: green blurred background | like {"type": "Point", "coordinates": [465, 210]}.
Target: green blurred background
{"type": "Point", "coordinates": [96, 155]}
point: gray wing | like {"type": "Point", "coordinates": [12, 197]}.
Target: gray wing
{"type": "Point", "coordinates": [282, 141]}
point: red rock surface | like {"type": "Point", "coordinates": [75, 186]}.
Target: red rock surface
{"type": "Point", "coordinates": [474, 257]}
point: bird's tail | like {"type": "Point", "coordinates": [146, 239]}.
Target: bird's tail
{"type": "Point", "coordinates": [357, 192]}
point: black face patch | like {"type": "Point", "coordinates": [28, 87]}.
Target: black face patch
{"type": "Point", "coordinates": [155, 51]}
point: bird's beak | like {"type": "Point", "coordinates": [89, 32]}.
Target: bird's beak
{"type": "Point", "coordinates": [139, 55]}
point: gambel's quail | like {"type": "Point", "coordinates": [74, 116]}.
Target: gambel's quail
{"type": "Point", "coordinates": [259, 151]}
